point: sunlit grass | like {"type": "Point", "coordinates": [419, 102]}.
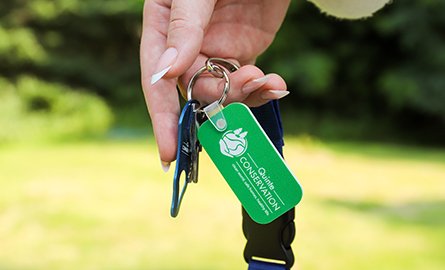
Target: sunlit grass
{"type": "Point", "coordinates": [106, 206]}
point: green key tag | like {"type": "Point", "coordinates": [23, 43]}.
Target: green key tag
{"type": "Point", "coordinates": [250, 164]}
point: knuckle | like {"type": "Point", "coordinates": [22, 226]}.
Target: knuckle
{"type": "Point", "coordinates": [183, 25]}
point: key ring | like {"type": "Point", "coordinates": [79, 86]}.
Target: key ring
{"type": "Point", "coordinates": [217, 67]}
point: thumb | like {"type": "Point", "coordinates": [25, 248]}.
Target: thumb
{"type": "Point", "coordinates": [188, 21]}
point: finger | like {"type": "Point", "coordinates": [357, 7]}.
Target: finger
{"type": "Point", "coordinates": [164, 112]}
{"type": "Point", "coordinates": [262, 97]}
{"type": "Point", "coordinates": [242, 81]}
{"type": "Point", "coordinates": [187, 23]}
{"type": "Point", "coordinates": [208, 88]}
{"type": "Point", "coordinates": [274, 88]}
{"type": "Point", "coordinates": [248, 85]}
{"type": "Point", "coordinates": [161, 98]}
{"type": "Point", "coordinates": [153, 39]}
{"type": "Point", "coordinates": [185, 78]}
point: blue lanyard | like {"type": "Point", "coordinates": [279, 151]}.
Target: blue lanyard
{"type": "Point", "coordinates": [258, 265]}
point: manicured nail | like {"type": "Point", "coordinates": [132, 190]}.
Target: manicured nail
{"type": "Point", "coordinates": [157, 76]}
{"type": "Point", "coordinates": [254, 85]}
{"type": "Point", "coordinates": [164, 65]}
{"type": "Point", "coordinates": [165, 166]}
{"type": "Point", "coordinates": [274, 94]}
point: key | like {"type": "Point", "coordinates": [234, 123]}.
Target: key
{"type": "Point", "coordinates": [187, 157]}
{"type": "Point", "coordinates": [195, 149]}
{"type": "Point", "coordinates": [187, 154]}
{"type": "Point", "coordinates": [200, 117]}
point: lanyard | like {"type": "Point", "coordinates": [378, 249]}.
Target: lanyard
{"type": "Point", "coordinates": [258, 265]}
{"type": "Point", "coordinates": [273, 240]}
{"type": "Point", "coordinates": [269, 241]}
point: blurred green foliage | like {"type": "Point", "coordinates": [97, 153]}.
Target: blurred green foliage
{"type": "Point", "coordinates": [88, 44]}
{"type": "Point", "coordinates": [385, 74]}
{"type": "Point", "coordinates": [36, 110]}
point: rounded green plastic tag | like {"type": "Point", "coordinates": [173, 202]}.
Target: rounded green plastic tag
{"type": "Point", "coordinates": [251, 165]}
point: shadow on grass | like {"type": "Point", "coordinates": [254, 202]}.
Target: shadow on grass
{"type": "Point", "coordinates": [424, 213]}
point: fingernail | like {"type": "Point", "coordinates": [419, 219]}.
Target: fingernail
{"type": "Point", "coordinates": [254, 85]}
{"type": "Point", "coordinates": [164, 65]}
{"type": "Point", "coordinates": [165, 166]}
{"type": "Point", "coordinates": [274, 94]}
{"type": "Point", "coordinates": [157, 76]}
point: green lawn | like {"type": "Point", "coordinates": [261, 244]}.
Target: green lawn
{"type": "Point", "coordinates": [106, 206]}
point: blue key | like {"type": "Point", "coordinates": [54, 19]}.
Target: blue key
{"type": "Point", "coordinates": [187, 153]}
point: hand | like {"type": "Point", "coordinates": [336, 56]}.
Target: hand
{"type": "Point", "coordinates": [178, 36]}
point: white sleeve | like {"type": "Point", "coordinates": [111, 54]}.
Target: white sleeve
{"type": "Point", "coordinates": [350, 9]}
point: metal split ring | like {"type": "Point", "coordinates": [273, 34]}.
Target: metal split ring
{"type": "Point", "coordinates": [217, 67]}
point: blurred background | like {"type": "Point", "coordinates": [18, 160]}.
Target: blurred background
{"type": "Point", "coordinates": [80, 181]}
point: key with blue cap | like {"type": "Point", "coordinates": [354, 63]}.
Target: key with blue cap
{"type": "Point", "coordinates": [187, 155]}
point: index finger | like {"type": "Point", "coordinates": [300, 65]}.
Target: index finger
{"type": "Point", "coordinates": [161, 98]}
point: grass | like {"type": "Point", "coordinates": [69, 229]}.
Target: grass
{"type": "Point", "coordinates": [106, 206]}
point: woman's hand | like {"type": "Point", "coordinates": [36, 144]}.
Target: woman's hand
{"type": "Point", "coordinates": [178, 36]}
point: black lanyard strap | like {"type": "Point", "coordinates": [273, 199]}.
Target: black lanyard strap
{"type": "Point", "coordinates": [270, 241]}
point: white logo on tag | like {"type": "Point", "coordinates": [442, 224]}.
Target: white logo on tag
{"type": "Point", "coordinates": [233, 143]}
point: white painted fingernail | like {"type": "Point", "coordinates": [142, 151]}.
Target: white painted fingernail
{"type": "Point", "coordinates": [274, 94]}
{"type": "Point", "coordinates": [254, 85]}
{"type": "Point", "coordinates": [165, 166]}
{"type": "Point", "coordinates": [156, 77]}
{"type": "Point", "coordinates": [165, 63]}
